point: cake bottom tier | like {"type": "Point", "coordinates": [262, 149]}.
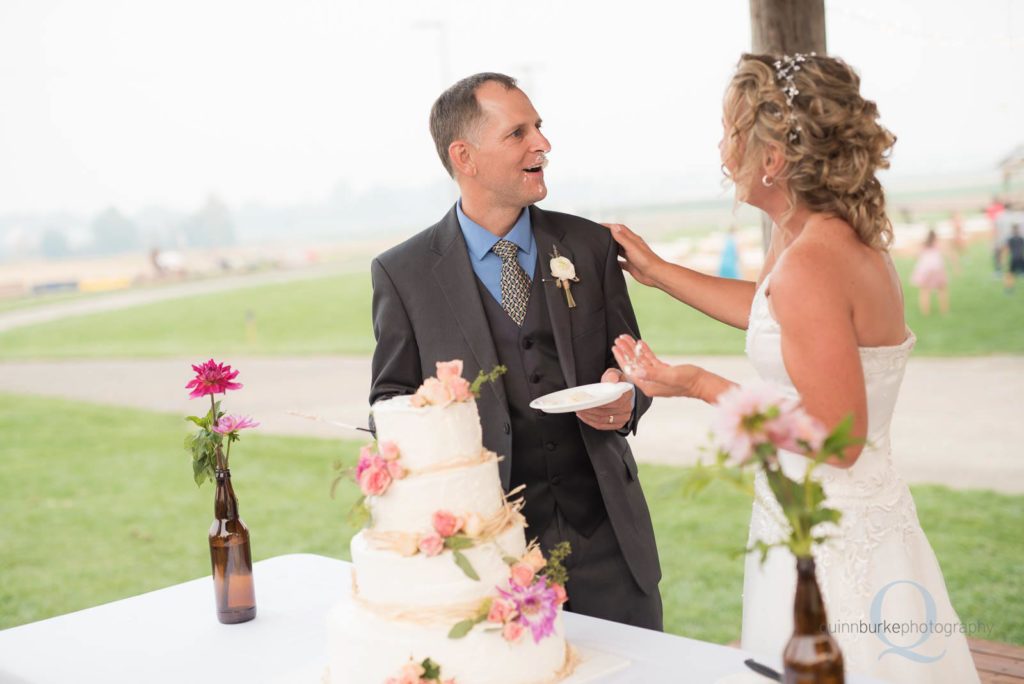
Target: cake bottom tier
{"type": "Point", "coordinates": [365, 649]}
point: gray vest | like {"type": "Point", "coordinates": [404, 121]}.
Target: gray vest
{"type": "Point", "coordinates": [548, 454]}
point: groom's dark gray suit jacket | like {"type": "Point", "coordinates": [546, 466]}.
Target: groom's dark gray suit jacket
{"type": "Point", "coordinates": [427, 308]}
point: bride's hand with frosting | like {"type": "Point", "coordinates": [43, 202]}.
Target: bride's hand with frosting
{"type": "Point", "coordinates": [651, 375]}
{"type": "Point", "coordinates": [638, 259]}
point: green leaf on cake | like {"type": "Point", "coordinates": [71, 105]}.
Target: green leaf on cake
{"type": "Point", "coordinates": [461, 629]}
{"type": "Point", "coordinates": [431, 670]}
{"type": "Point", "coordinates": [465, 565]}
{"type": "Point", "coordinates": [458, 542]}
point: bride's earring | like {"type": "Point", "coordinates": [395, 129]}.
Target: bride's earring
{"type": "Point", "coordinates": [767, 181]}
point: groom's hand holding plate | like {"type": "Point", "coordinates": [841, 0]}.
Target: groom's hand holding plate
{"type": "Point", "coordinates": [607, 405]}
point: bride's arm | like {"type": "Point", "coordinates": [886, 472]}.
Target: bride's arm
{"type": "Point", "coordinates": [819, 342]}
{"type": "Point", "coordinates": [724, 299]}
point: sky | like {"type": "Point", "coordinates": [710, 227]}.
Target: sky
{"type": "Point", "coordinates": [138, 103]}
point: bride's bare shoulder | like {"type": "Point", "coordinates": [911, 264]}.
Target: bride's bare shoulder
{"type": "Point", "coordinates": [813, 272]}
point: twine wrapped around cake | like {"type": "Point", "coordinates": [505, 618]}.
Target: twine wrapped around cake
{"type": "Point", "coordinates": [483, 457]}
{"type": "Point", "coordinates": [427, 615]}
{"type": "Point", "coordinates": [508, 515]}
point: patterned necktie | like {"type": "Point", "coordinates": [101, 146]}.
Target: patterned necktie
{"type": "Point", "coordinates": [515, 284]}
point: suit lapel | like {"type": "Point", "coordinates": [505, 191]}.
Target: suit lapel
{"type": "Point", "coordinates": [455, 275]}
{"type": "Point", "coordinates": [549, 237]}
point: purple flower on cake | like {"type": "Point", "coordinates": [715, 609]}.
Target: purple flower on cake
{"type": "Point", "coordinates": [536, 605]}
{"type": "Point", "coordinates": [228, 424]}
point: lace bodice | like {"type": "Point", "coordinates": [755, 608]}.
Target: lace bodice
{"type": "Point", "coordinates": [883, 374]}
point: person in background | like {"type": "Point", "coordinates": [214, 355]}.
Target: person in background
{"type": "Point", "coordinates": [994, 212]}
{"type": "Point", "coordinates": [729, 267]}
{"type": "Point", "coordinates": [1015, 265]}
{"type": "Point", "coordinates": [929, 276]}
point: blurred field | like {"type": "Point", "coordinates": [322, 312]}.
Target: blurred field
{"type": "Point", "coordinates": [99, 504]}
{"type": "Point", "coordinates": [332, 316]}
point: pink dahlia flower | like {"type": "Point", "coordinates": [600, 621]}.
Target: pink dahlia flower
{"type": "Point", "coordinates": [212, 378]}
{"type": "Point", "coordinates": [229, 424]}
{"type": "Point", "coordinates": [743, 418]}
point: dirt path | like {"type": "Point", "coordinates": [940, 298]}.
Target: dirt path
{"type": "Point", "coordinates": [958, 421]}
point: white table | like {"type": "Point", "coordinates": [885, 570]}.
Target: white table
{"type": "Point", "coordinates": [172, 635]}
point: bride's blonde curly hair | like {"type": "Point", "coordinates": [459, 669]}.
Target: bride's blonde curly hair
{"type": "Point", "coordinates": [829, 134]}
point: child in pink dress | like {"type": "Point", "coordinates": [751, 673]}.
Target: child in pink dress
{"type": "Point", "coordinates": [930, 275]}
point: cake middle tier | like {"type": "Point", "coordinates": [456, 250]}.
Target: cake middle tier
{"type": "Point", "coordinates": [409, 504]}
{"type": "Point", "coordinates": [386, 577]}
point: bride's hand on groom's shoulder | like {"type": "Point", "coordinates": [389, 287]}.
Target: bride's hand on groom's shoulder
{"type": "Point", "coordinates": [637, 258]}
{"type": "Point", "coordinates": [651, 375]}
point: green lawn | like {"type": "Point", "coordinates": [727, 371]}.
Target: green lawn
{"type": "Point", "coordinates": [332, 316]}
{"type": "Point", "coordinates": [98, 504]}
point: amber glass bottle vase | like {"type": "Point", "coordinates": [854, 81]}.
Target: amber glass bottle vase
{"type": "Point", "coordinates": [812, 655]}
{"type": "Point", "coordinates": [230, 556]}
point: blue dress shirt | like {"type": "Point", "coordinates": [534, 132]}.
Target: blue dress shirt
{"type": "Point", "coordinates": [486, 264]}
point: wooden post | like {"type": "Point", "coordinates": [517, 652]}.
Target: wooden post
{"type": "Point", "coordinates": [788, 26]}
{"type": "Point", "coordinates": [785, 27]}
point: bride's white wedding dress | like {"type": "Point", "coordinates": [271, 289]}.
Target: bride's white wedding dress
{"type": "Point", "coordinates": [878, 569]}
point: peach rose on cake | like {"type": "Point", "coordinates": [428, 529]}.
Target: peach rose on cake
{"type": "Point", "coordinates": [431, 545]}
{"type": "Point", "coordinates": [446, 524]}
{"type": "Point", "coordinates": [535, 559]}
{"type": "Point", "coordinates": [522, 574]}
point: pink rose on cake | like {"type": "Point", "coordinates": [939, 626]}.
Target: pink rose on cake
{"type": "Point", "coordinates": [388, 450]}
{"type": "Point", "coordinates": [522, 574]}
{"type": "Point", "coordinates": [512, 632]}
{"type": "Point", "coordinates": [426, 672]}
{"type": "Point", "coordinates": [375, 479]}
{"type": "Point", "coordinates": [501, 611]}
{"type": "Point", "coordinates": [431, 545]}
{"type": "Point", "coordinates": [446, 524]}
{"type": "Point", "coordinates": [447, 387]}
{"type": "Point", "coordinates": [376, 471]}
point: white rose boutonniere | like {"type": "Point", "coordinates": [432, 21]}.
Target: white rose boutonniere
{"type": "Point", "coordinates": [564, 272]}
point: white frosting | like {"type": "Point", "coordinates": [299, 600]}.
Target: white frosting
{"type": "Point", "coordinates": [364, 649]}
{"type": "Point", "coordinates": [364, 645]}
{"type": "Point", "coordinates": [429, 435]}
{"type": "Point", "coordinates": [385, 577]}
{"type": "Point", "coordinates": [409, 504]}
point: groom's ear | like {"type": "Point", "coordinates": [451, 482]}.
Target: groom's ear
{"type": "Point", "coordinates": [462, 160]}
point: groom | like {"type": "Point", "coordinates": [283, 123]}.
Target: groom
{"type": "Point", "coordinates": [478, 286]}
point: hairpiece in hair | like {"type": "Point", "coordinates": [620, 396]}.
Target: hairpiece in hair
{"type": "Point", "coordinates": [785, 70]}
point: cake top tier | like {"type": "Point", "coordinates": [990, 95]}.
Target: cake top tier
{"type": "Point", "coordinates": [438, 424]}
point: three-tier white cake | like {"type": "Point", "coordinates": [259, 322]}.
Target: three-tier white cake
{"type": "Point", "coordinates": [443, 571]}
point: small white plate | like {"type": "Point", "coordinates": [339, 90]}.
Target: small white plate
{"type": "Point", "coordinates": [582, 397]}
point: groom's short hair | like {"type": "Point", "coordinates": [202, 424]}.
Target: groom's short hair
{"type": "Point", "coordinates": [457, 111]}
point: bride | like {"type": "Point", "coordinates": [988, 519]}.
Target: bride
{"type": "Point", "coordinates": [824, 321]}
